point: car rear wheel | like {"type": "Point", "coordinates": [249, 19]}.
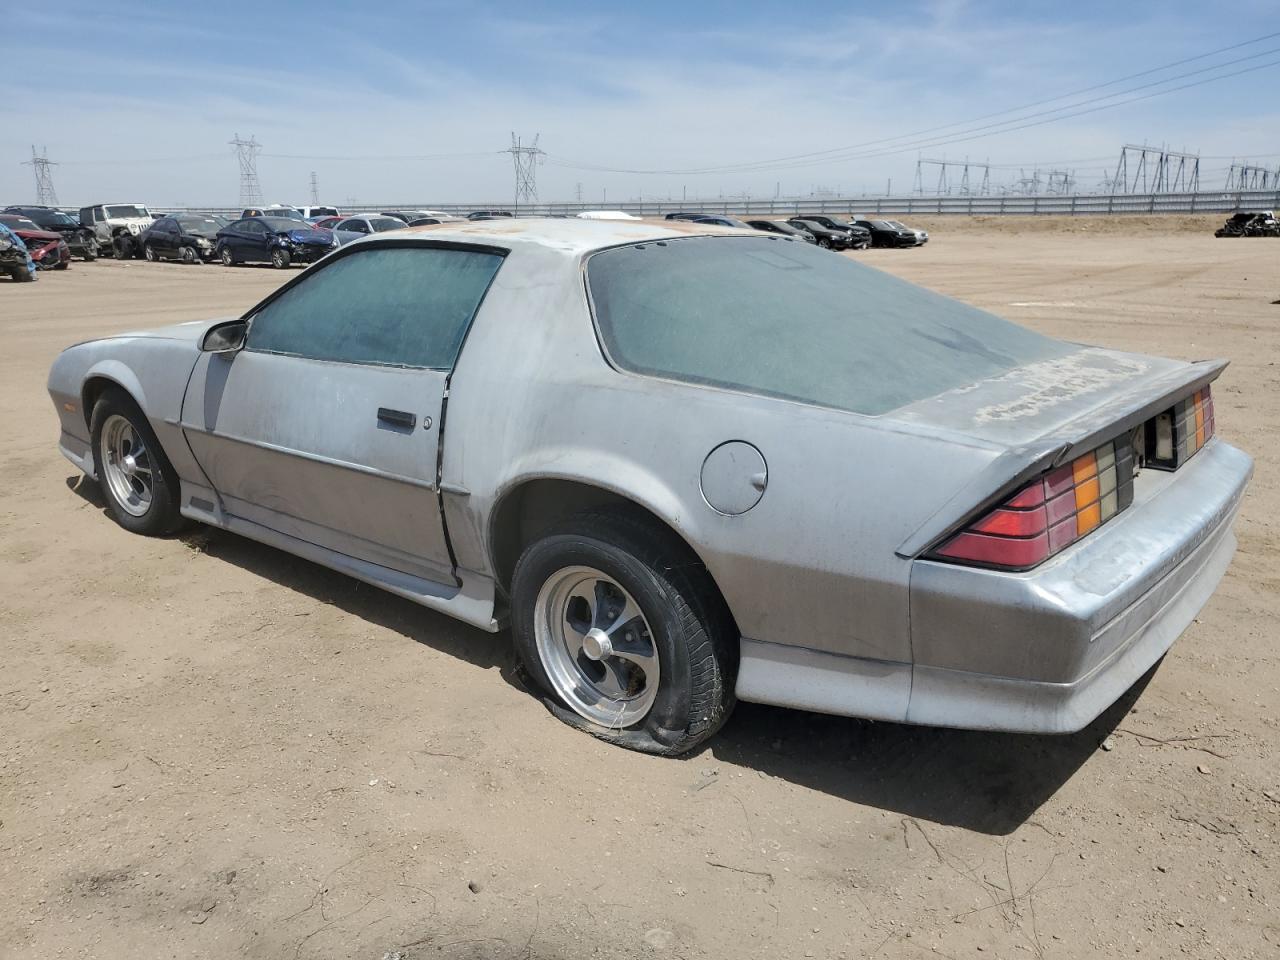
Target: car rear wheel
{"type": "Point", "coordinates": [150, 253]}
{"type": "Point", "coordinates": [279, 258]}
{"type": "Point", "coordinates": [137, 481]}
{"type": "Point", "coordinates": [625, 631]}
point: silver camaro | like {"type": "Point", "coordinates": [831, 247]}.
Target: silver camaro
{"type": "Point", "coordinates": [683, 470]}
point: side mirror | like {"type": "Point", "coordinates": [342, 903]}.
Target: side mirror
{"type": "Point", "coordinates": [226, 337]}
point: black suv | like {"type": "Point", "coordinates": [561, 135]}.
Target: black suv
{"type": "Point", "coordinates": [80, 239]}
{"type": "Point", "coordinates": [885, 234]}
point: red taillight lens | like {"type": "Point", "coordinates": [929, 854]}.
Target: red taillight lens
{"type": "Point", "coordinates": [1051, 512]}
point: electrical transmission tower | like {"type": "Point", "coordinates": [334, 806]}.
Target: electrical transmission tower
{"type": "Point", "coordinates": [1156, 170]}
{"type": "Point", "coordinates": [46, 196]}
{"type": "Point", "coordinates": [967, 185]}
{"type": "Point", "coordinates": [315, 190]}
{"type": "Point", "coordinates": [526, 161]}
{"type": "Point", "coordinates": [247, 153]}
{"type": "Point", "coordinates": [1246, 176]}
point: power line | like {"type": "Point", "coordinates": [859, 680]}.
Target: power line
{"type": "Point", "coordinates": [525, 160]}
{"type": "Point", "coordinates": [46, 196]}
{"type": "Point", "coordinates": [247, 153]}
{"type": "Point", "coordinates": [836, 154]}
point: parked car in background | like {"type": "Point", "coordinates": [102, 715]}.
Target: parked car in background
{"type": "Point", "coordinates": [280, 241]}
{"type": "Point", "coordinates": [80, 239]}
{"type": "Point", "coordinates": [786, 229]}
{"type": "Point", "coordinates": [684, 215]}
{"type": "Point", "coordinates": [317, 213]}
{"type": "Point", "coordinates": [722, 220]}
{"type": "Point", "coordinates": [824, 236]}
{"type": "Point", "coordinates": [275, 210]}
{"type": "Point", "coordinates": [48, 249]}
{"type": "Point", "coordinates": [189, 237]}
{"type": "Point", "coordinates": [859, 236]}
{"type": "Point", "coordinates": [15, 258]}
{"type": "Point", "coordinates": [1257, 223]}
{"type": "Point", "coordinates": [885, 234]}
{"type": "Point", "coordinates": [922, 236]}
{"type": "Point", "coordinates": [354, 228]}
{"type": "Point", "coordinates": [116, 227]}
{"type": "Point", "coordinates": [489, 214]}
{"type": "Point", "coordinates": [913, 511]}
{"type": "Point", "coordinates": [326, 223]}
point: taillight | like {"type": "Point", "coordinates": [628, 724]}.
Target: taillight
{"type": "Point", "coordinates": [1051, 512]}
{"type": "Point", "coordinates": [1176, 435]}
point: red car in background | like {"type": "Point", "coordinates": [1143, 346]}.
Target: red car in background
{"type": "Point", "coordinates": [48, 249]}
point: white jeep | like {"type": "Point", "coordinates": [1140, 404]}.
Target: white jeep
{"type": "Point", "coordinates": [116, 226]}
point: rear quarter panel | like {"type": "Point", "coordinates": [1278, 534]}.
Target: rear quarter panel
{"type": "Point", "coordinates": [812, 564]}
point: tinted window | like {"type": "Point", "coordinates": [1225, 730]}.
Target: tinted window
{"type": "Point", "coordinates": [773, 317]}
{"type": "Point", "coordinates": [402, 306]}
{"type": "Point", "coordinates": [278, 224]}
{"type": "Point", "coordinates": [356, 226]}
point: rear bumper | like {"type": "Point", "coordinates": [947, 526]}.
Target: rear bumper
{"type": "Point", "coordinates": [1043, 651]}
{"type": "Point", "coordinates": [1049, 649]}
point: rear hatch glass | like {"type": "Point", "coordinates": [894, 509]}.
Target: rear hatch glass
{"type": "Point", "coordinates": [781, 318]}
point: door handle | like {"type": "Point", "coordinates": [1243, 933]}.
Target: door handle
{"type": "Point", "coordinates": [397, 418]}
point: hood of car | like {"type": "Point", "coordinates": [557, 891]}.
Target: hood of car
{"type": "Point", "coordinates": [192, 331]}
{"type": "Point", "coordinates": [45, 235]}
{"type": "Point", "coordinates": [309, 235]}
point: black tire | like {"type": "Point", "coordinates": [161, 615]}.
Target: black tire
{"type": "Point", "coordinates": [189, 255]}
{"type": "Point", "coordinates": [149, 253]}
{"type": "Point", "coordinates": [62, 265]}
{"type": "Point", "coordinates": [824, 243]}
{"type": "Point", "coordinates": [280, 258]}
{"type": "Point", "coordinates": [122, 244]}
{"type": "Point", "coordinates": [691, 627]}
{"type": "Point", "coordinates": [227, 257]}
{"type": "Point", "coordinates": [22, 273]}
{"type": "Point", "coordinates": [162, 516]}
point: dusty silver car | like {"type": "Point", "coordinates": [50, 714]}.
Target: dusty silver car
{"type": "Point", "coordinates": [684, 471]}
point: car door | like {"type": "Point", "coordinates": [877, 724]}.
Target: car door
{"type": "Point", "coordinates": [325, 426]}
{"type": "Point", "coordinates": [257, 239]}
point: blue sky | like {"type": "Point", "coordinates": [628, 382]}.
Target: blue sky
{"type": "Point", "coordinates": [397, 102]}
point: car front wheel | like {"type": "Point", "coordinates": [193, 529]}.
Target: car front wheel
{"type": "Point", "coordinates": [625, 631]}
{"type": "Point", "coordinates": [189, 255]}
{"type": "Point", "coordinates": [139, 484]}
{"type": "Point", "coordinates": [279, 258]}
{"type": "Point", "coordinates": [149, 252]}
{"type": "Point", "coordinates": [228, 259]}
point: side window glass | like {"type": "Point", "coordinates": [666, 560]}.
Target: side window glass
{"type": "Point", "coordinates": [396, 306]}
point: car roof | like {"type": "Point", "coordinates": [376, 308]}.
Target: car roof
{"type": "Point", "coordinates": [569, 236]}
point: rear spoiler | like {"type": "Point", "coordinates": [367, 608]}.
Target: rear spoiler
{"type": "Point", "coordinates": [1012, 469]}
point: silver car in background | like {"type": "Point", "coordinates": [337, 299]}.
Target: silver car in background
{"type": "Point", "coordinates": [359, 227]}
{"type": "Point", "coordinates": [661, 455]}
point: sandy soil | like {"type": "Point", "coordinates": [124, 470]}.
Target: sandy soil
{"type": "Point", "coordinates": [210, 749]}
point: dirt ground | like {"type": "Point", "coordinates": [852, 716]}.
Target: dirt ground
{"type": "Point", "coordinates": [210, 749]}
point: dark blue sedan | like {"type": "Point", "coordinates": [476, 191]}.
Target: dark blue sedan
{"type": "Point", "coordinates": [275, 240]}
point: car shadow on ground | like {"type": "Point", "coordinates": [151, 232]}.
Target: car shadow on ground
{"type": "Point", "coordinates": [368, 603]}
{"type": "Point", "coordinates": [988, 782]}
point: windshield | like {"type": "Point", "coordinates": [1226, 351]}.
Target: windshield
{"type": "Point", "coordinates": [882, 225]}
{"type": "Point", "coordinates": [285, 223]}
{"type": "Point", "coordinates": [198, 225]}
{"type": "Point", "coordinates": [54, 218]}
{"type": "Point", "coordinates": [284, 213]}
{"type": "Point", "coordinates": [383, 224]}
{"type": "Point", "coordinates": [18, 223]}
{"type": "Point", "coordinates": [773, 317]}
{"type": "Point", "coordinates": [126, 213]}
{"type": "Point", "coordinates": [898, 225]}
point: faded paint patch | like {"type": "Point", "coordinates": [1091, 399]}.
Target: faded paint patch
{"type": "Point", "coordinates": [1052, 382]}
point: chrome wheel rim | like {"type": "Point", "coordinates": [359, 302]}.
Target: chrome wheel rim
{"type": "Point", "coordinates": [127, 466]}
{"type": "Point", "coordinates": [277, 258]}
{"type": "Point", "coordinates": [226, 258]}
{"type": "Point", "coordinates": [150, 253]}
{"type": "Point", "coordinates": [596, 647]}
{"type": "Point", "coordinates": [188, 254]}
